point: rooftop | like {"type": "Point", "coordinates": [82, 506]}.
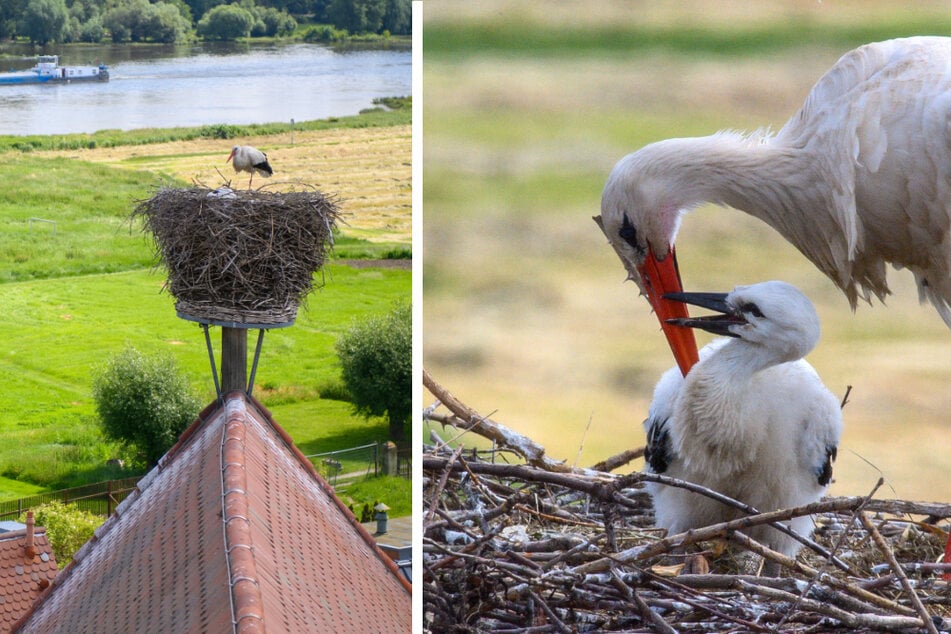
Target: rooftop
{"type": "Point", "coordinates": [232, 531]}
{"type": "Point", "coordinates": [27, 566]}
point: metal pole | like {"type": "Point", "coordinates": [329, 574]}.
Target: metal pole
{"type": "Point", "coordinates": [254, 364]}
{"type": "Point", "coordinates": [211, 357]}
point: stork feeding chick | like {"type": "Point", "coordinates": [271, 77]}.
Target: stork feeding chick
{"type": "Point", "coordinates": [752, 420]}
{"type": "Point", "coordinates": [859, 177]}
{"type": "Point", "coordinates": [249, 159]}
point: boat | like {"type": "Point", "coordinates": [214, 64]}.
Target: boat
{"type": "Point", "coordinates": [47, 69]}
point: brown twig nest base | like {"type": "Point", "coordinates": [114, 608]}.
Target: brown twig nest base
{"type": "Point", "coordinates": [239, 257]}
{"type": "Point", "coordinates": [515, 542]}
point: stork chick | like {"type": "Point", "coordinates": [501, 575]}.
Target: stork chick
{"type": "Point", "coordinates": [752, 420]}
{"type": "Point", "coordinates": [251, 160]}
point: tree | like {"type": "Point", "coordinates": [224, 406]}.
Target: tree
{"type": "Point", "coordinates": [140, 20]}
{"type": "Point", "coordinates": [67, 528]}
{"type": "Point", "coordinates": [45, 21]}
{"type": "Point", "coordinates": [377, 360]}
{"type": "Point", "coordinates": [226, 22]}
{"type": "Point", "coordinates": [144, 402]}
{"type": "Point", "coordinates": [398, 17]}
{"type": "Point", "coordinates": [357, 16]}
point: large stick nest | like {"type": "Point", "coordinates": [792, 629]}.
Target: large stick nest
{"type": "Point", "coordinates": [239, 257]}
{"type": "Point", "coordinates": [514, 541]}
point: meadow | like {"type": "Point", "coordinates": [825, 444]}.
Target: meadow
{"type": "Point", "coordinates": [83, 285]}
{"type": "Point", "coordinates": [526, 314]}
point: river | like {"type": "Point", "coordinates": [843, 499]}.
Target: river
{"type": "Point", "coordinates": [167, 86]}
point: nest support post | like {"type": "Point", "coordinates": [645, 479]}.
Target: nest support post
{"type": "Point", "coordinates": [234, 360]}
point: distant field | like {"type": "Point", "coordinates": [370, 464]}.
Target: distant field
{"type": "Point", "coordinates": [81, 287]}
{"type": "Point", "coordinates": [526, 316]}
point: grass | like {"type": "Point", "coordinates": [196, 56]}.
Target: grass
{"type": "Point", "coordinates": [397, 493]}
{"type": "Point", "coordinates": [526, 316]}
{"type": "Point", "coordinates": [74, 298]}
{"type": "Point", "coordinates": [527, 32]}
{"type": "Point", "coordinates": [396, 113]}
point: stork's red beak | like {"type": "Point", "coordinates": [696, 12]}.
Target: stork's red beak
{"type": "Point", "coordinates": [229, 156]}
{"type": "Point", "coordinates": [661, 277]}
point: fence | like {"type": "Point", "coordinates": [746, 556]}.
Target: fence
{"type": "Point", "coordinates": [340, 468]}
{"type": "Point", "coordinates": [346, 466]}
{"type": "Point", "coordinates": [100, 498]}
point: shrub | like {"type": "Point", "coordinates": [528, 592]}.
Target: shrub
{"type": "Point", "coordinates": [67, 528]}
{"type": "Point", "coordinates": [226, 22]}
{"type": "Point", "coordinates": [376, 357]}
{"type": "Point", "coordinates": [144, 402]}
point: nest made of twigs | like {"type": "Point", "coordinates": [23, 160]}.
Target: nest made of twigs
{"type": "Point", "coordinates": [239, 257]}
{"type": "Point", "coordinates": [516, 542]}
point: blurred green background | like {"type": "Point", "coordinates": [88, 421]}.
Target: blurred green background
{"type": "Point", "coordinates": [528, 105]}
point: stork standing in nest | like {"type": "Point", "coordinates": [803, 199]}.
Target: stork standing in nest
{"type": "Point", "coordinates": [752, 420]}
{"type": "Point", "coordinates": [250, 159]}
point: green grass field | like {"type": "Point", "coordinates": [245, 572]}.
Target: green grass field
{"type": "Point", "coordinates": [526, 316]}
{"type": "Point", "coordinates": [75, 292]}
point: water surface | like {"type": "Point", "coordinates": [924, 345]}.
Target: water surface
{"type": "Point", "coordinates": [167, 86]}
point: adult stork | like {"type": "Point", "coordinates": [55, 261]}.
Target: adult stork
{"type": "Point", "coordinates": [859, 177]}
{"type": "Point", "coordinates": [249, 159]}
{"type": "Point", "coordinates": [751, 420]}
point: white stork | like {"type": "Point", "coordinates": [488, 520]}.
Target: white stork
{"type": "Point", "coordinates": [251, 160]}
{"type": "Point", "coordinates": [752, 420]}
{"type": "Point", "coordinates": [858, 178]}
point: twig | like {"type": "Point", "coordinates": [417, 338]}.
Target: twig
{"type": "Point", "coordinates": [525, 447]}
{"type": "Point", "coordinates": [902, 578]}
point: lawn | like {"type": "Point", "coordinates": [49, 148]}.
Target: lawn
{"type": "Point", "coordinates": [77, 291]}
{"type": "Point", "coordinates": [526, 315]}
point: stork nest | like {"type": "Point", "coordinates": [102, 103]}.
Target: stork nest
{"type": "Point", "coordinates": [514, 541]}
{"type": "Point", "coordinates": [239, 257]}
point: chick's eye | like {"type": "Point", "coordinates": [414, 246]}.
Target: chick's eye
{"type": "Point", "coordinates": [752, 309]}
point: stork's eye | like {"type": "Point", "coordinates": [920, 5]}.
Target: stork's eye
{"type": "Point", "coordinates": [752, 309]}
{"type": "Point", "coordinates": [628, 233]}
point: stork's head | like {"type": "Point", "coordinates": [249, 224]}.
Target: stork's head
{"type": "Point", "coordinates": [231, 156]}
{"type": "Point", "coordinates": [640, 215]}
{"type": "Point", "coordinates": [774, 315]}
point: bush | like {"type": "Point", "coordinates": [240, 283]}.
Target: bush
{"type": "Point", "coordinates": [144, 402]}
{"type": "Point", "coordinates": [377, 360]}
{"type": "Point", "coordinates": [67, 528]}
{"type": "Point", "coordinates": [226, 22]}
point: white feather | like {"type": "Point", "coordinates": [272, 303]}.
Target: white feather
{"type": "Point", "coordinates": [859, 177]}
{"type": "Point", "coordinates": [751, 420]}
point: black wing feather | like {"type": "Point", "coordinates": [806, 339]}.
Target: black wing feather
{"type": "Point", "coordinates": [658, 452]}
{"type": "Point", "coordinates": [824, 472]}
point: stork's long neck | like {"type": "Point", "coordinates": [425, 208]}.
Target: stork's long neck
{"type": "Point", "coordinates": [785, 187]}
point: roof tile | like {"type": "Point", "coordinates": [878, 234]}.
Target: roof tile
{"type": "Point", "coordinates": [22, 578]}
{"type": "Point", "coordinates": [233, 531]}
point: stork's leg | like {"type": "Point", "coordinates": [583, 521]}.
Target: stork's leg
{"type": "Point", "coordinates": [250, 179]}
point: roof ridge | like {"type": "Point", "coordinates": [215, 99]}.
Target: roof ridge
{"type": "Point", "coordinates": [246, 600]}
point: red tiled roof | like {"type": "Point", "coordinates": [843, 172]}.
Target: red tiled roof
{"type": "Point", "coordinates": [233, 531]}
{"type": "Point", "coordinates": [23, 574]}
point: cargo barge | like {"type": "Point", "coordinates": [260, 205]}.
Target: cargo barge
{"type": "Point", "coordinates": [47, 69]}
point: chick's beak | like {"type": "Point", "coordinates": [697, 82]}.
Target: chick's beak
{"type": "Point", "coordinates": [662, 277]}
{"type": "Point", "coordinates": [717, 324]}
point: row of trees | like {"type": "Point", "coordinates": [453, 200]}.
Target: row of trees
{"type": "Point", "coordinates": [44, 21]}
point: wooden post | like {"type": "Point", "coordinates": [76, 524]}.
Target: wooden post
{"type": "Point", "coordinates": [390, 464]}
{"type": "Point", "coordinates": [234, 360]}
